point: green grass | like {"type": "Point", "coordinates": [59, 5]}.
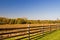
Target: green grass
{"type": "Point", "coordinates": [53, 36]}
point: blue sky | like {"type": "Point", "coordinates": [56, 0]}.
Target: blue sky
{"type": "Point", "coordinates": [31, 9]}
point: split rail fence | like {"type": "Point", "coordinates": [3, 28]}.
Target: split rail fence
{"type": "Point", "coordinates": [26, 33]}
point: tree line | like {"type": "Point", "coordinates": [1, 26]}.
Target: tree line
{"type": "Point", "coordinates": [4, 20]}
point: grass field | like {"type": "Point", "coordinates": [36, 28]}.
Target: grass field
{"type": "Point", "coordinates": [53, 36]}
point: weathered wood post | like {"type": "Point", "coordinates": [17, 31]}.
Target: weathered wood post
{"type": "Point", "coordinates": [50, 28]}
{"type": "Point", "coordinates": [43, 29]}
{"type": "Point", "coordinates": [29, 32]}
{"type": "Point", "coordinates": [57, 26]}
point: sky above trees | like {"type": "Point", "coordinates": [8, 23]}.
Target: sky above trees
{"type": "Point", "coordinates": [31, 9]}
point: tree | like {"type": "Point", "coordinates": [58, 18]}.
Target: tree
{"type": "Point", "coordinates": [21, 21]}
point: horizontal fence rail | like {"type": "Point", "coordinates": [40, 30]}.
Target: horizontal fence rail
{"type": "Point", "coordinates": [28, 33]}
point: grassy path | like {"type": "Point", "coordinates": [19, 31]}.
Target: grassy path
{"type": "Point", "coordinates": [53, 36]}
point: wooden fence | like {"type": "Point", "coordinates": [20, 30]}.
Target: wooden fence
{"type": "Point", "coordinates": [28, 33]}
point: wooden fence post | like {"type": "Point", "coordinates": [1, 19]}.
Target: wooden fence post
{"type": "Point", "coordinates": [43, 29]}
{"type": "Point", "coordinates": [50, 28]}
{"type": "Point", "coordinates": [57, 27]}
{"type": "Point", "coordinates": [29, 32]}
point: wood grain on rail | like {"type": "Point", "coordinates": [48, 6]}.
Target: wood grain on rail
{"type": "Point", "coordinates": [22, 25]}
